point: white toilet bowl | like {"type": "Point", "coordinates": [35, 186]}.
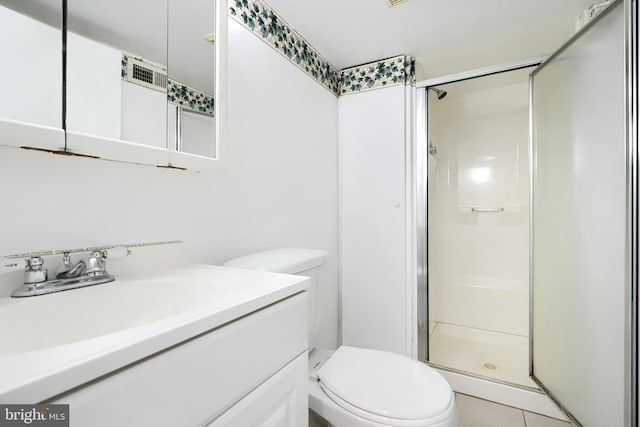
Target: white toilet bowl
{"type": "Point", "coordinates": [357, 387]}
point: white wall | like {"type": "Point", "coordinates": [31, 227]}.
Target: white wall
{"type": "Point", "coordinates": [372, 219]}
{"type": "Point", "coordinates": [280, 188]}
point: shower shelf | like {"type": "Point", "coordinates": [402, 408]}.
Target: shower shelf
{"type": "Point", "coordinates": [487, 210]}
{"type": "Point", "coordinates": [512, 209]}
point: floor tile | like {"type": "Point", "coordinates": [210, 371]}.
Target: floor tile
{"type": "Point", "coordinates": [535, 420]}
{"type": "Point", "coordinates": [473, 412]}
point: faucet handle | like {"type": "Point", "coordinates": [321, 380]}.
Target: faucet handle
{"type": "Point", "coordinates": [35, 272]}
{"type": "Point", "coordinates": [35, 261]}
{"type": "Point", "coordinates": [96, 263]}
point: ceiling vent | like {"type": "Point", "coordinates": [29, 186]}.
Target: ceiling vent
{"type": "Point", "coordinates": [392, 3]}
{"type": "Point", "coordinates": [146, 74]}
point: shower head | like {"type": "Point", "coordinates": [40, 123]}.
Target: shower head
{"type": "Point", "coordinates": [439, 92]}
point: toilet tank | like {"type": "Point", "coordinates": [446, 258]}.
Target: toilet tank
{"type": "Point", "coordinates": [301, 262]}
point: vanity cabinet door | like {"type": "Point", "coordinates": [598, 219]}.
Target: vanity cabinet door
{"type": "Point", "coordinates": [280, 401]}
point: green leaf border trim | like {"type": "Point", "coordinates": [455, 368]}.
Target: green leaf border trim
{"type": "Point", "coordinates": [190, 97]}
{"type": "Point", "coordinates": [180, 93]}
{"type": "Point", "coordinates": [265, 23]}
{"type": "Point", "coordinates": [399, 70]}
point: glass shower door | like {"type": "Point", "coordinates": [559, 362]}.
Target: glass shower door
{"type": "Point", "coordinates": [581, 274]}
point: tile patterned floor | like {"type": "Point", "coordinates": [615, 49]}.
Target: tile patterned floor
{"type": "Point", "coordinates": [474, 412]}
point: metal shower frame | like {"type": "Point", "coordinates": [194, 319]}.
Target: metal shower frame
{"type": "Point", "coordinates": [633, 161]}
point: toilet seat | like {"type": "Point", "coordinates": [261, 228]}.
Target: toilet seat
{"type": "Point", "coordinates": [385, 388]}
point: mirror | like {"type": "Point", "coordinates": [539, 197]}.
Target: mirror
{"type": "Point", "coordinates": [141, 79]}
{"type": "Point", "coordinates": [192, 65]}
{"type": "Point", "coordinates": [117, 70]}
{"type": "Point", "coordinates": [31, 72]}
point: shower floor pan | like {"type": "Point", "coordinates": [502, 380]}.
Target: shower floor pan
{"type": "Point", "coordinates": [496, 355]}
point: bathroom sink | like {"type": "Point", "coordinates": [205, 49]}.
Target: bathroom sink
{"type": "Point", "coordinates": [78, 314]}
{"type": "Point", "coordinates": [34, 323]}
{"type": "Point", "coordinates": [56, 341]}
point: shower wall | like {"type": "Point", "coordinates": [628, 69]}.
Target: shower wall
{"type": "Point", "coordinates": [478, 205]}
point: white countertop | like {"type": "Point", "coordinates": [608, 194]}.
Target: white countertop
{"type": "Point", "coordinates": [52, 343]}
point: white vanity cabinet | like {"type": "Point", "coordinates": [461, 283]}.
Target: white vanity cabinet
{"type": "Point", "coordinates": [250, 371]}
{"type": "Point", "coordinates": [279, 401]}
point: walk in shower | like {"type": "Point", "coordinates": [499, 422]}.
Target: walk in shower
{"type": "Point", "coordinates": [527, 185]}
{"type": "Point", "coordinates": [478, 226]}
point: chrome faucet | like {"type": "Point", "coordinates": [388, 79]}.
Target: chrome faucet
{"type": "Point", "coordinates": [67, 270]}
{"type": "Point", "coordinates": [91, 271]}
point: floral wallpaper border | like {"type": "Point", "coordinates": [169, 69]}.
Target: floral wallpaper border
{"type": "Point", "coordinates": [180, 93]}
{"type": "Point", "coordinates": [263, 21]}
{"type": "Point", "coordinates": [123, 66]}
{"type": "Point", "coordinates": [400, 69]}
{"type": "Point", "coordinates": [187, 96]}
{"type": "Point", "coordinates": [268, 25]}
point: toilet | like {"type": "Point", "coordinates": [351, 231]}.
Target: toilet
{"type": "Point", "coordinates": [357, 387]}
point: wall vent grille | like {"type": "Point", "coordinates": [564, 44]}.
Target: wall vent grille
{"type": "Point", "coordinates": [145, 73]}
{"type": "Point", "coordinates": [392, 3]}
{"type": "Point", "coordinates": [142, 74]}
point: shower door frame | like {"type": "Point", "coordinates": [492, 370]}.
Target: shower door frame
{"type": "Point", "coordinates": [632, 399]}
{"type": "Point", "coordinates": [422, 176]}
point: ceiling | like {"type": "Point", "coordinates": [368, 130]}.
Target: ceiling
{"type": "Point", "coordinates": [445, 36]}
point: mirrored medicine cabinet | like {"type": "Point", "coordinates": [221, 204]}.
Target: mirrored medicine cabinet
{"type": "Point", "coordinates": [144, 79]}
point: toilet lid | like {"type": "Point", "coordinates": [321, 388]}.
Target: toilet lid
{"type": "Point", "coordinates": [385, 384]}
